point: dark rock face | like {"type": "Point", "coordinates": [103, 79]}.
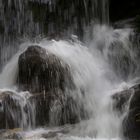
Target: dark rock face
{"type": "Point", "coordinates": [135, 101]}
{"type": "Point", "coordinates": [8, 107]}
{"type": "Point", "coordinates": [39, 72]}
{"type": "Point", "coordinates": [14, 114]}
{"type": "Point", "coordinates": [55, 108]}
{"type": "Point", "coordinates": [120, 100]}
{"type": "Point", "coordinates": [5, 99]}
{"type": "Point", "coordinates": [43, 104]}
{"type": "Point", "coordinates": [51, 102]}
{"type": "Point", "coordinates": [131, 122]}
{"type": "Point", "coordinates": [49, 80]}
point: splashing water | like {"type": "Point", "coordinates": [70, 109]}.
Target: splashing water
{"type": "Point", "coordinates": [106, 63]}
{"type": "Point", "coordinates": [93, 72]}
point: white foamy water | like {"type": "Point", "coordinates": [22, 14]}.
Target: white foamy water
{"type": "Point", "coordinates": [91, 73]}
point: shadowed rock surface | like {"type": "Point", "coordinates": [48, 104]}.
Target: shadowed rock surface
{"type": "Point", "coordinates": [121, 99]}
{"type": "Point", "coordinates": [51, 85]}
{"type": "Point", "coordinates": [131, 121]}
{"type": "Point", "coordinates": [41, 71]}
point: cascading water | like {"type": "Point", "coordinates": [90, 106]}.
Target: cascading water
{"type": "Point", "coordinates": [98, 68]}
{"type": "Point", "coordinates": [51, 18]}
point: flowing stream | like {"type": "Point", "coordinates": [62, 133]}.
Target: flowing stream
{"type": "Point", "coordinates": [96, 66]}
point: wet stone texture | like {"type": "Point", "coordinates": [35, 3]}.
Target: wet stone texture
{"type": "Point", "coordinates": [13, 113]}
{"type": "Point", "coordinates": [51, 101]}
{"type": "Point", "coordinates": [131, 123]}
{"type": "Point", "coordinates": [130, 99]}
{"type": "Point", "coordinates": [41, 71]}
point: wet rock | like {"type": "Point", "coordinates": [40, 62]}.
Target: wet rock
{"type": "Point", "coordinates": [131, 122]}
{"type": "Point", "coordinates": [131, 95]}
{"type": "Point", "coordinates": [53, 134]}
{"type": "Point", "coordinates": [129, 100]}
{"type": "Point", "coordinates": [2, 115]}
{"type": "Point", "coordinates": [120, 100]}
{"type": "Point", "coordinates": [42, 102]}
{"type": "Point", "coordinates": [120, 59]}
{"type": "Point", "coordinates": [135, 100]}
{"type": "Point", "coordinates": [52, 88]}
{"type": "Point", "coordinates": [50, 135]}
{"type": "Point", "coordinates": [4, 100]}
{"type": "Point", "coordinates": [60, 130]}
{"type": "Point", "coordinates": [12, 111]}
{"type": "Point", "coordinates": [44, 73]}
{"type": "Point", "coordinates": [55, 108]}
{"type": "Point", "coordinates": [41, 71]}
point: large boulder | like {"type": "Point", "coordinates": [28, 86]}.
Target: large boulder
{"type": "Point", "coordinates": [41, 71]}
{"type": "Point", "coordinates": [50, 82]}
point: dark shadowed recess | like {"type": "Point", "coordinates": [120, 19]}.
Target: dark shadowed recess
{"type": "Point", "coordinates": [123, 9]}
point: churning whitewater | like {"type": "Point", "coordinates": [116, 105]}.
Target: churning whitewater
{"type": "Point", "coordinates": [92, 71]}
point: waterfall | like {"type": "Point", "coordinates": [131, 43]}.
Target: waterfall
{"type": "Point", "coordinates": [86, 62]}
{"type": "Point", "coordinates": [21, 19]}
{"type": "Point", "coordinates": [92, 72]}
